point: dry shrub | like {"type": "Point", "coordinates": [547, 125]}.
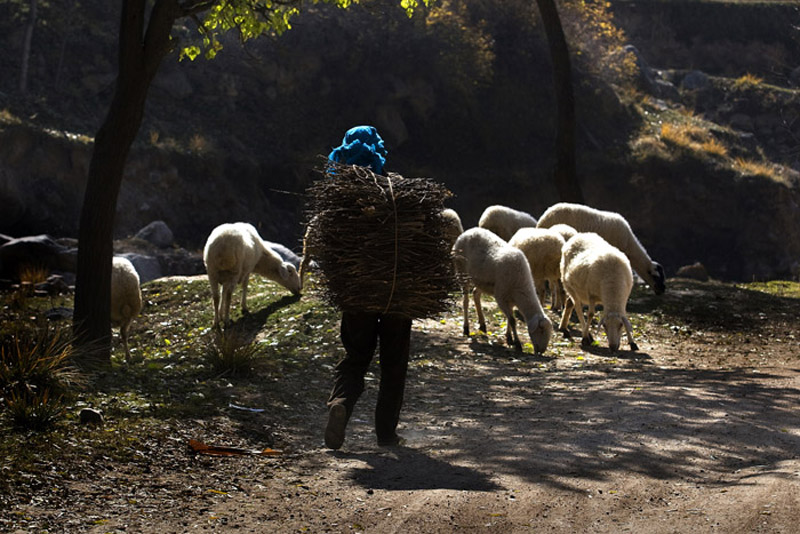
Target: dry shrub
{"type": "Point", "coordinates": [37, 375]}
{"type": "Point", "coordinates": [380, 242]}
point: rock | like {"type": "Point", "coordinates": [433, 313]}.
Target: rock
{"type": "Point", "coordinates": [35, 251]}
{"type": "Point", "coordinates": [696, 271]}
{"type": "Point", "coordinates": [285, 253]}
{"type": "Point", "coordinates": [157, 233]}
{"type": "Point", "coordinates": [696, 81]}
{"type": "Point", "coordinates": [148, 267]}
{"type": "Point", "coordinates": [90, 416]}
{"type": "Point", "coordinates": [54, 285]}
{"type": "Point", "coordinates": [59, 314]}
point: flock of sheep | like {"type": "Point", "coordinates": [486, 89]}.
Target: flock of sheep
{"type": "Point", "coordinates": [583, 255]}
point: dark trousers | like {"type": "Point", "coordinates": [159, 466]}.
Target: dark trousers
{"type": "Point", "coordinates": [360, 334]}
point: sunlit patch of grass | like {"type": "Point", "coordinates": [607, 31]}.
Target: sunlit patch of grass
{"type": "Point", "coordinates": [755, 168]}
{"type": "Point", "coordinates": [714, 147]}
{"type": "Point", "coordinates": [779, 288]}
{"type": "Point", "coordinates": [7, 117]}
{"type": "Point", "coordinates": [747, 81]}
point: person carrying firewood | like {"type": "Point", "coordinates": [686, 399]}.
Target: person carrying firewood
{"type": "Point", "coordinates": [364, 331]}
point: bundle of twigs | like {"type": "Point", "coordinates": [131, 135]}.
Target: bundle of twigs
{"type": "Point", "coordinates": [379, 242]}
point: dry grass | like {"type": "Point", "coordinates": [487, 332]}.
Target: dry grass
{"type": "Point", "coordinates": [692, 137]}
{"type": "Point", "coordinates": [755, 168]}
{"type": "Point", "coordinates": [748, 81]}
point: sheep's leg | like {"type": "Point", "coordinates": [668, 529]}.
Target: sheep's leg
{"type": "Point", "coordinates": [476, 296]}
{"type": "Point", "coordinates": [587, 337]}
{"type": "Point", "coordinates": [562, 327]}
{"type": "Point", "coordinates": [123, 334]}
{"type": "Point", "coordinates": [465, 301]}
{"type": "Point", "coordinates": [629, 332]}
{"type": "Point", "coordinates": [511, 325]}
{"type": "Point", "coordinates": [225, 304]}
{"type": "Point", "coordinates": [245, 281]}
{"type": "Point", "coordinates": [215, 300]}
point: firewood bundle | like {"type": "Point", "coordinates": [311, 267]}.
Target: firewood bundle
{"type": "Point", "coordinates": [379, 242]}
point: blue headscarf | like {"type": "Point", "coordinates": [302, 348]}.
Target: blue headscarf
{"type": "Point", "coordinates": [362, 145]}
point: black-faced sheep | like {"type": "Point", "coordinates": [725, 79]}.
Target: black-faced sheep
{"type": "Point", "coordinates": [593, 271]}
{"type": "Point", "coordinates": [495, 267]}
{"type": "Point", "coordinates": [613, 228]}
{"type": "Point", "coordinates": [232, 252]}
{"type": "Point", "coordinates": [542, 248]}
{"type": "Point", "coordinates": [505, 221]}
{"type": "Point", "coordinates": [126, 298]}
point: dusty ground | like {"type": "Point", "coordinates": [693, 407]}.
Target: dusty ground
{"type": "Point", "coordinates": [698, 431]}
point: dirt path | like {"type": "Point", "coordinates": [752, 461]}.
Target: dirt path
{"type": "Point", "coordinates": [698, 431]}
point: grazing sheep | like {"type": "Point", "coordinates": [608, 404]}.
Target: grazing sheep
{"type": "Point", "coordinates": [565, 230]}
{"type": "Point", "coordinates": [497, 268]}
{"type": "Point", "coordinates": [232, 252]}
{"type": "Point", "coordinates": [126, 298]}
{"type": "Point", "coordinates": [593, 271]}
{"type": "Point", "coordinates": [453, 225]}
{"type": "Point", "coordinates": [542, 248]}
{"type": "Point", "coordinates": [505, 221]}
{"type": "Point", "coordinates": [613, 228]}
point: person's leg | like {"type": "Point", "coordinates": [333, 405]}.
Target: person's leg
{"type": "Point", "coordinates": [395, 337]}
{"type": "Point", "coordinates": [359, 335]}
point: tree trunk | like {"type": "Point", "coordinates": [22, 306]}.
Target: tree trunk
{"type": "Point", "coordinates": [26, 47]}
{"type": "Point", "coordinates": [565, 174]}
{"type": "Point", "coordinates": [140, 54]}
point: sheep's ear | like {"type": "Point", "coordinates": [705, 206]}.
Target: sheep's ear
{"type": "Point", "coordinates": [283, 270]}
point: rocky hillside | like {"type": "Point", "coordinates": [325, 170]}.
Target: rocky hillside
{"type": "Point", "coordinates": [700, 151]}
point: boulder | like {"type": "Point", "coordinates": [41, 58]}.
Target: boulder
{"type": "Point", "coordinates": [39, 251]}
{"type": "Point", "coordinates": [157, 233]}
{"type": "Point", "coordinates": [696, 81]}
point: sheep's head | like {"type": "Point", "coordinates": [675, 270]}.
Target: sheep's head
{"type": "Point", "coordinates": [656, 273]}
{"type": "Point", "coordinates": [540, 329]}
{"type": "Point", "coordinates": [613, 323]}
{"type": "Point", "coordinates": [290, 278]}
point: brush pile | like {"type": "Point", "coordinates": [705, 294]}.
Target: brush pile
{"type": "Point", "coordinates": [379, 242]}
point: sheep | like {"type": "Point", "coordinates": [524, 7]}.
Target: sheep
{"type": "Point", "coordinates": [613, 228]}
{"type": "Point", "coordinates": [453, 227]}
{"type": "Point", "coordinates": [542, 248]}
{"type": "Point", "coordinates": [495, 267]}
{"type": "Point", "coordinates": [594, 271]}
{"type": "Point", "coordinates": [126, 298]}
{"type": "Point", "coordinates": [565, 230]}
{"type": "Point", "coordinates": [505, 221]}
{"type": "Point", "coordinates": [231, 253]}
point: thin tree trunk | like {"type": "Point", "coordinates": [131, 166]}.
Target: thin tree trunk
{"type": "Point", "coordinates": [565, 174]}
{"type": "Point", "coordinates": [140, 54]}
{"type": "Point", "coordinates": [26, 47]}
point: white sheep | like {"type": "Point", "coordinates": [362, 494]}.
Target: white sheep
{"type": "Point", "coordinates": [453, 227]}
{"type": "Point", "coordinates": [565, 230]}
{"type": "Point", "coordinates": [593, 271]}
{"type": "Point", "coordinates": [495, 267]}
{"type": "Point", "coordinates": [505, 221]}
{"type": "Point", "coordinates": [613, 228]}
{"type": "Point", "coordinates": [232, 252]}
{"type": "Point", "coordinates": [126, 298]}
{"type": "Point", "coordinates": [542, 248]}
